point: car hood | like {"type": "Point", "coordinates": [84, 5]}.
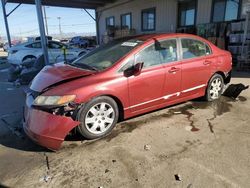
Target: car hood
{"type": "Point", "coordinates": [55, 74]}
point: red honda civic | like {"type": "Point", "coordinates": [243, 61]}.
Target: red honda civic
{"type": "Point", "coordinates": [125, 78]}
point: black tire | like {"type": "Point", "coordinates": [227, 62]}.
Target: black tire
{"type": "Point", "coordinates": [209, 96]}
{"type": "Point", "coordinates": [82, 114]}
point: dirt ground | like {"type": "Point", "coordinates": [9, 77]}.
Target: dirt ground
{"type": "Point", "coordinates": [194, 144]}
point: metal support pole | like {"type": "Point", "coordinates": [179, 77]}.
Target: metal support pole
{"type": "Point", "coordinates": [6, 22]}
{"type": "Point", "coordinates": [44, 40]}
{"type": "Point", "coordinates": [97, 27]}
{"type": "Point", "coordinates": [14, 9]}
{"type": "Point", "coordinates": [45, 20]}
{"type": "Point", "coordinates": [89, 14]}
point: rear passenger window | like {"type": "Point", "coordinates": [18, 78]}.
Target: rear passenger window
{"type": "Point", "coordinates": [168, 51]}
{"type": "Point", "coordinates": [192, 48]}
{"type": "Point", "coordinates": [149, 56]}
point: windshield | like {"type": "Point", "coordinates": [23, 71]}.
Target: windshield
{"type": "Point", "coordinates": [107, 55]}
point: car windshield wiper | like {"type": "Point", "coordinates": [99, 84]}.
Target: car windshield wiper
{"type": "Point", "coordinates": [84, 66]}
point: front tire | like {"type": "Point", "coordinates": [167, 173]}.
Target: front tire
{"type": "Point", "coordinates": [214, 88]}
{"type": "Point", "coordinates": [98, 117]}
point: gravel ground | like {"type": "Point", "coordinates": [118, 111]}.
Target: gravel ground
{"type": "Point", "coordinates": [194, 144]}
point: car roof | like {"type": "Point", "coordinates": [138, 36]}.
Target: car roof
{"type": "Point", "coordinates": [146, 37]}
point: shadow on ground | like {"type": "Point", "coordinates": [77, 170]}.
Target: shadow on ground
{"type": "Point", "coordinates": [237, 74]}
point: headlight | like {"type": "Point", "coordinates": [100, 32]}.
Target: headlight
{"type": "Point", "coordinates": [53, 100]}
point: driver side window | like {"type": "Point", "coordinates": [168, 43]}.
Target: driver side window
{"type": "Point", "coordinates": [149, 56]}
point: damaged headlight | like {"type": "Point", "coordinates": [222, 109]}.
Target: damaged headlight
{"type": "Point", "coordinates": [53, 100]}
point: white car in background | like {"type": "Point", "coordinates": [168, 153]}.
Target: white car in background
{"type": "Point", "coordinates": [32, 50]}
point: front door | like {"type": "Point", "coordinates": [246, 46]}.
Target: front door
{"type": "Point", "coordinates": [146, 89]}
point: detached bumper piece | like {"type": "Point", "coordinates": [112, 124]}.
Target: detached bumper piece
{"type": "Point", "coordinates": [46, 129]}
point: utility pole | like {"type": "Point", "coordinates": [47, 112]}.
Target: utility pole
{"type": "Point", "coordinates": [60, 29]}
{"type": "Point", "coordinates": [44, 41]}
{"type": "Point", "coordinates": [6, 22]}
{"type": "Point", "coordinates": [45, 20]}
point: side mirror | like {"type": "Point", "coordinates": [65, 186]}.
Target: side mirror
{"type": "Point", "coordinates": [134, 70]}
{"type": "Point", "coordinates": [138, 67]}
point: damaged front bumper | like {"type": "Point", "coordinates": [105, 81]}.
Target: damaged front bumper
{"type": "Point", "coordinates": [44, 128]}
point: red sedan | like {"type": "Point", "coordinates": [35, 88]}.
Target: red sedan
{"type": "Point", "coordinates": [125, 78]}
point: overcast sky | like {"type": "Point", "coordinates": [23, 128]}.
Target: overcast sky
{"type": "Point", "coordinates": [24, 20]}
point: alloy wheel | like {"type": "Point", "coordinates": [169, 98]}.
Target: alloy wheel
{"type": "Point", "coordinates": [215, 88]}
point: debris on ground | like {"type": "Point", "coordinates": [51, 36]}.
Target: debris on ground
{"type": "Point", "coordinates": [177, 177]}
{"type": "Point", "coordinates": [234, 90]}
{"type": "Point", "coordinates": [188, 128]}
{"type": "Point", "coordinates": [191, 128]}
{"type": "Point", "coordinates": [147, 147]}
{"type": "Point", "coordinates": [177, 112]}
{"type": "Point", "coordinates": [47, 161]}
{"type": "Point", "coordinates": [113, 160]}
{"type": "Point", "coordinates": [107, 170]}
{"type": "Point", "coordinates": [46, 178]}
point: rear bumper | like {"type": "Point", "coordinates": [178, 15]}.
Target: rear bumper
{"type": "Point", "coordinates": [46, 129]}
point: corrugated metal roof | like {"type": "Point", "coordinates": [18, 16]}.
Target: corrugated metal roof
{"type": "Point", "coordinates": [90, 4]}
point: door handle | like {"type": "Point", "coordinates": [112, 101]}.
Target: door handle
{"type": "Point", "coordinates": [173, 70]}
{"type": "Point", "coordinates": [206, 62]}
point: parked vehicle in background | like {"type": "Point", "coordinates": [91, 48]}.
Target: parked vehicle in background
{"type": "Point", "coordinates": [120, 80]}
{"type": "Point", "coordinates": [82, 42]}
{"type": "Point", "coordinates": [64, 41]}
{"type": "Point", "coordinates": [22, 75]}
{"type": "Point", "coordinates": [39, 38]}
{"type": "Point", "coordinates": [32, 50]}
{"type": "Point", "coordinates": [13, 43]}
{"type": "Point", "coordinates": [6, 47]}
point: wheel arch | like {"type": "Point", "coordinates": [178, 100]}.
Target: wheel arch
{"type": "Point", "coordinates": [226, 78]}
{"type": "Point", "coordinates": [116, 99]}
{"type": "Point", "coordinates": [28, 56]}
{"type": "Point", "coordinates": [119, 104]}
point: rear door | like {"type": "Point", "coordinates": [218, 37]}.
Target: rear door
{"type": "Point", "coordinates": [172, 66]}
{"type": "Point", "coordinates": [196, 66]}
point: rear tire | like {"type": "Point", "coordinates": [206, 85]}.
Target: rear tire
{"type": "Point", "coordinates": [214, 88]}
{"type": "Point", "coordinates": [98, 117]}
